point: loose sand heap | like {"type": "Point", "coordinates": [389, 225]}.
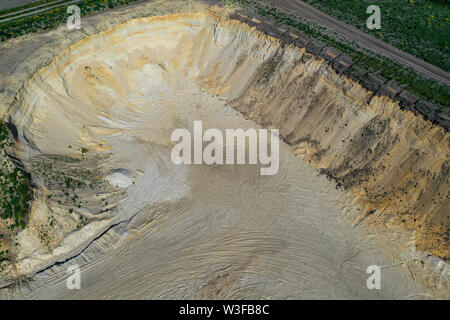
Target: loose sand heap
{"type": "Point", "coordinates": [94, 130]}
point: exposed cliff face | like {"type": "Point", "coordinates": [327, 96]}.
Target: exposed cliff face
{"type": "Point", "coordinates": [396, 164]}
{"type": "Point", "coordinates": [105, 108]}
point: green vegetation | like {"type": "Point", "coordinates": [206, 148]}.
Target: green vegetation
{"type": "Point", "coordinates": [15, 189]}
{"type": "Point", "coordinates": [53, 18]}
{"type": "Point", "coordinates": [269, 69]}
{"type": "Point", "coordinates": [3, 255]}
{"type": "Point", "coordinates": [419, 27]}
{"type": "Point", "coordinates": [28, 6]}
{"type": "Point", "coordinates": [84, 152]}
{"type": "Point", "coordinates": [427, 89]}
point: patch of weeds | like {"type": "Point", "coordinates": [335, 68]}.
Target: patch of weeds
{"type": "Point", "coordinates": [15, 188]}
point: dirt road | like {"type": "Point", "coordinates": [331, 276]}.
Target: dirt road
{"type": "Point", "coordinates": [29, 12]}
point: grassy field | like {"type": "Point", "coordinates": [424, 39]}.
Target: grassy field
{"type": "Point", "coordinates": [419, 27]}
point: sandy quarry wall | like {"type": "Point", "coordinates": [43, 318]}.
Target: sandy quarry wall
{"type": "Point", "coordinates": [395, 163]}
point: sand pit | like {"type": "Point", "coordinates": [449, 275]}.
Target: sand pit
{"type": "Point", "coordinates": [139, 226]}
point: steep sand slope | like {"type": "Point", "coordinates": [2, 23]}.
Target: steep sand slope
{"type": "Point", "coordinates": [396, 164]}
{"type": "Point", "coordinates": [106, 107]}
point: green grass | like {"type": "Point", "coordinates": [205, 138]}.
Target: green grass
{"type": "Point", "coordinates": [15, 188]}
{"type": "Point", "coordinates": [53, 18]}
{"type": "Point", "coordinates": [419, 27]}
{"type": "Point", "coordinates": [426, 88]}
